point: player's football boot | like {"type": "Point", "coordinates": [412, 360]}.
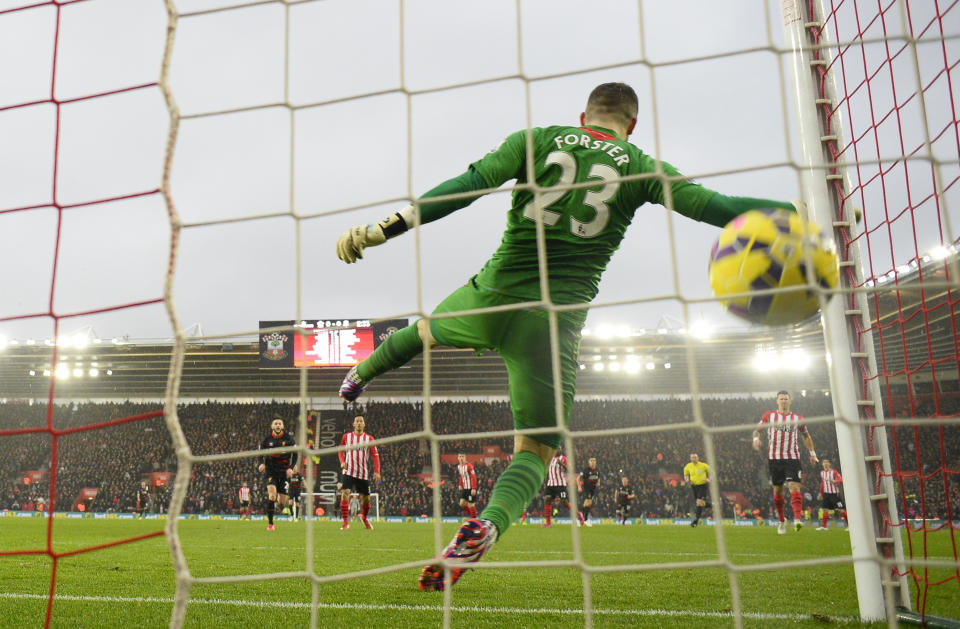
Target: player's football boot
{"type": "Point", "coordinates": [587, 522]}
{"type": "Point", "coordinates": [821, 528]}
{"type": "Point", "coordinates": [269, 527]}
{"type": "Point", "coordinates": [344, 526]}
{"type": "Point", "coordinates": [367, 524]}
{"type": "Point", "coordinates": [471, 542]}
{"type": "Point", "coordinates": [352, 386]}
{"type": "Point", "coordinates": [782, 528]}
{"type": "Point", "coordinates": [695, 523]}
{"type": "Point", "coordinates": [797, 525]}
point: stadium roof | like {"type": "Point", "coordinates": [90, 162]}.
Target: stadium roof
{"type": "Point", "coordinates": [659, 364]}
{"type": "Point", "coordinates": [725, 362]}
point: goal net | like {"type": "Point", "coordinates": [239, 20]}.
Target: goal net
{"type": "Point", "coordinates": [882, 135]}
{"type": "Point", "coordinates": [175, 138]}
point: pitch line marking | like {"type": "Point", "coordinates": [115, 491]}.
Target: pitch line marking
{"type": "Point", "coordinates": [534, 552]}
{"type": "Point", "coordinates": [516, 552]}
{"type": "Point", "coordinates": [676, 613]}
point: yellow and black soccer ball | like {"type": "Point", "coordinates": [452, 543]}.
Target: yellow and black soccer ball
{"type": "Point", "coordinates": [771, 251]}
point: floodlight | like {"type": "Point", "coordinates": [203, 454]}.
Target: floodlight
{"type": "Point", "coordinates": [764, 360]}
{"type": "Point", "coordinates": [701, 330]}
{"type": "Point", "coordinates": [797, 359]}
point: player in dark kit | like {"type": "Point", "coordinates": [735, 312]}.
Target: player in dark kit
{"type": "Point", "coordinates": [589, 482]}
{"type": "Point", "coordinates": [294, 489]}
{"type": "Point", "coordinates": [579, 187]}
{"type": "Point", "coordinates": [624, 496]}
{"type": "Point", "coordinates": [277, 467]}
{"type": "Point", "coordinates": [143, 499]}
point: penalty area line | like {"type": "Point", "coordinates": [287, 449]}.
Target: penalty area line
{"type": "Point", "coordinates": [675, 613]}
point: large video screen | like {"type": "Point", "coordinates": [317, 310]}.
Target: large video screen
{"type": "Point", "coordinates": [328, 348]}
{"type": "Point", "coordinates": [322, 342]}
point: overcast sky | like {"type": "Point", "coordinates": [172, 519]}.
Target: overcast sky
{"type": "Point", "coordinates": [395, 128]}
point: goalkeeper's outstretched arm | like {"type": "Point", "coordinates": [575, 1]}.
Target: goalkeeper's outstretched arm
{"type": "Point", "coordinates": [351, 244]}
{"type": "Point", "coordinates": [721, 209]}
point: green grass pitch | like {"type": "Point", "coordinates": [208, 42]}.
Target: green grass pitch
{"type": "Point", "coordinates": [132, 585]}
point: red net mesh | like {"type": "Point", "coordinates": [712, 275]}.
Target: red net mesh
{"type": "Point", "coordinates": [53, 432]}
{"type": "Point", "coordinates": [891, 67]}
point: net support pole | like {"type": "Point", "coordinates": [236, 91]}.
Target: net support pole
{"type": "Point", "coordinates": [822, 209]}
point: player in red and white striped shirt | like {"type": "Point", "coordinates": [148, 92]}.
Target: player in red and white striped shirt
{"type": "Point", "coordinates": [355, 464]}
{"type": "Point", "coordinates": [829, 495]}
{"type": "Point", "coordinates": [244, 495]}
{"type": "Point", "coordinates": [557, 488]}
{"type": "Point", "coordinates": [468, 485]}
{"type": "Point", "coordinates": [784, 429]}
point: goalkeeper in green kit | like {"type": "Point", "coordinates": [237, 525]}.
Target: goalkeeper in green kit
{"type": "Point", "coordinates": [583, 227]}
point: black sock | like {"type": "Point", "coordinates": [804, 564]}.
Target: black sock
{"type": "Point", "coordinates": [586, 513]}
{"type": "Point", "coordinates": [270, 507]}
{"type": "Point", "coordinates": [699, 511]}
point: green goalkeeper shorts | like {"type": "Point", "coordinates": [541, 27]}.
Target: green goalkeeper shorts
{"type": "Point", "coordinates": [522, 338]}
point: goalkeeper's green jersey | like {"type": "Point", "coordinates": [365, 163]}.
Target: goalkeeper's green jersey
{"type": "Point", "coordinates": [583, 226]}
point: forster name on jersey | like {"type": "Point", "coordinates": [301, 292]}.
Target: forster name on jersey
{"type": "Point", "coordinates": [587, 142]}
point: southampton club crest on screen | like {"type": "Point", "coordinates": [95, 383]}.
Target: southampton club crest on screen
{"type": "Point", "coordinates": [275, 346]}
{"type": "Point", "coordinates": [385, 334]}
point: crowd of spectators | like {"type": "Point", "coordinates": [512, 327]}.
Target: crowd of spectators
{"type": "Point", "coordinates": [648, 441]}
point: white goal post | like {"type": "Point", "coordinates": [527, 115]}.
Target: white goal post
{"type": "Point", "coordinates": [877, 593]}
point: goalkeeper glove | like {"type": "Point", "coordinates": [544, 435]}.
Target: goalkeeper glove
{"type": "Point", "coordinates": [351, 244]}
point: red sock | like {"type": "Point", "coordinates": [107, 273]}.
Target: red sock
{"type": "Point", "coordinates": [364, 510]}
{"type": "Point", "coordinates": [547, 512]}
{"type": "Point", "coordinates": [826, 516]}
{"type": "Point", "coordinates": [778, 503]}
{"type": "Point", "coordinates": [473, 511]}
{"type": "Point", "coordinates": [345, 511]}
{"type": "Point", "coordinates": [466, 509]}
{"type": "Point", "coordinates": [796, 501]}
{"type": "Point", "coordinates": [843, 517]}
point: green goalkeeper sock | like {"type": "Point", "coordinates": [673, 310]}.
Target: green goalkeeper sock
{"type": "Point", "coordinates": [514, 490]}
{"type": "Point", "coordinates": [399, 348]}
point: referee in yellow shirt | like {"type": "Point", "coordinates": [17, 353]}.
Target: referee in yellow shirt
{"type": "Point", "coordinates": [697, 474]}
